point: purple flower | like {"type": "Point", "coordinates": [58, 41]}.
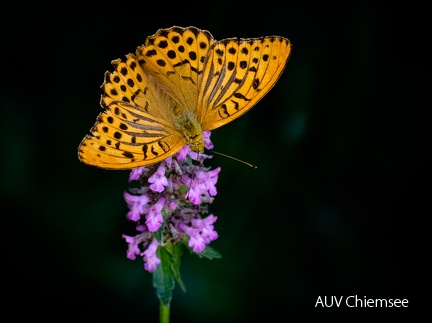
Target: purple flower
{"type": "Point", "coordinates": [150, 258]}
{"type": "Point", "coordinates": [210, 181]}
{"type": "Point", "coordinates": [133, 248]}
{"type": "Point", "coordinates": [199, 156]}
{"type": "Point", "coordinates": [137, 205]}
{"type": "Point", "coordinates": [170, 202]}
{"type": "Point", "coordinates": [200, 233]}
{"type": "Point", "coordinates": [195, 192]}
{"type": "Point", "coordinates": [169, 162]}
{"type": "Point", "coordinates": [196, 241]}
{"type": "Point", "coordinates": [206, 137]}
{"type": "Point", "coordinates": [201, 185]}
{"type": "Point", "coordinates": [172, 205]}
{"type": "Point", "coordinates": [133, 244]}
{"type": "Point", "coordinates": [158, 180]}
{"type": "Point", "coordinates": [182, 153]}
{"type": "Point", "coordinates": [206, 227]}
{"type": "Point", "coordinates": [136, 173]}
{"type": "Point", "coordinates": [154, 215]}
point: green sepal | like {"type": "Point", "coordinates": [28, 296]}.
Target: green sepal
{"type": "Point", "coordinates": [158, 234]}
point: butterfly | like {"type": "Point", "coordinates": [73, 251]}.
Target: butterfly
{"type": "Point", "coordinates": [179, 83]}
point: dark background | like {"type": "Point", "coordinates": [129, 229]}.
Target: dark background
{"type": "Point", "coordinates": [335, 208]}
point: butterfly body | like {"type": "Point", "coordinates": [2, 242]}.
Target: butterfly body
{"type": "Point", "coordinates": [178, 84]}
{"type": "Point", "coordinates": [191, 129]}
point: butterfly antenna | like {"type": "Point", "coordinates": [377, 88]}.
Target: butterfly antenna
{"type": "Point", "coordinates": [236, 159]}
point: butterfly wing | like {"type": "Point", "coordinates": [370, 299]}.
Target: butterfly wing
{"type": "Point", "coordinates": [132, 130]}
{"type": "Point", "coordinates": [237, 74]}
{"type": "Point", "coordinates": [175, 57]}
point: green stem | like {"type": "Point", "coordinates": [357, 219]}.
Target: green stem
{"type": "Point", "coordinates": [164, 313]}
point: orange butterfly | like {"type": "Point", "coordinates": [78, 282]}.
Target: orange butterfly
{"type": "Point", "coordinates": [180, 83]}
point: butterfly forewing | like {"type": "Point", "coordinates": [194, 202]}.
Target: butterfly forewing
{"type": "Point", "coordinates": [224, 76]}
{"type": "Point", "coordinates": [273, 57]}
{"type": "Point", "coordinates": [175, 57]}
{"type": "Point", "coordinates": [238, 73]}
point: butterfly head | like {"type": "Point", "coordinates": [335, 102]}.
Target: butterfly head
{"type": "Point", "coordinates": [197, 146]}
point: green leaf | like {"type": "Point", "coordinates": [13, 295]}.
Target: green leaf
{"type": "Point", "coordinates": [209, 253]}
{"type": "Point", "coordinates": [168, 271]}
{"type": "Point", "coordinates": [163, 277]}
{"type": "Point", "coordinates": [175, 251]}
